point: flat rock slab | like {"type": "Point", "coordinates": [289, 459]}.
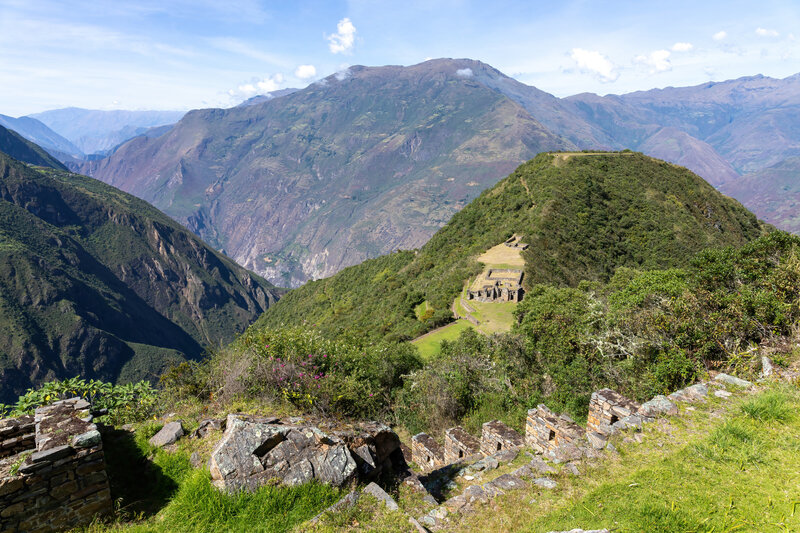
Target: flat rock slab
{"type": "Point", "coordinates": [659, 405]}
{"type": "Point", "coordinates": [507, 482]}
{"type": "Point", "coordinates": [545, 483]}
{"type": "Point", "coordinates": [722, 394]}
{"type": "Point", "coordinates": [169, 434]}
{"type": "Point", "coordinates": [732, 380]}
{"type": "Point", "coordinates": [692, 393]}
{"type": "Point", "coordinates": [378, 493]}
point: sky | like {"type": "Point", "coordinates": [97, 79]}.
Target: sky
{"type": "Point", "coordinates": [187, 54]}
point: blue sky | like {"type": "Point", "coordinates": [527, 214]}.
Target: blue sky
{"type": "Point", "coordinates": [187, 54]}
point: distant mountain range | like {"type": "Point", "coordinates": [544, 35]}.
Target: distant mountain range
{"type": "Point", "coordinates": [97, 283]}
{"type": "Point", "coordinates": [94, 131]}
{"type": "Point", "coordinates": [300, 185]}
{"type": "Point", "coordinates": [38, 133]}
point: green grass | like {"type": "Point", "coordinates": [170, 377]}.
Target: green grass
{"type": "Point", "coordinates": [159, 491]}
{"type": "Point", "coordinates": [707, 471]}
{"type": "Point", "coordinates": [430, 345]}
{"type": "Point", "coordinates": [494, 317]}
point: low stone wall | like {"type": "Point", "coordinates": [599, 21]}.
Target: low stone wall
{"type": "Point", "coordinates": [16, 435]}
{"type": "Point", "coordinates": [547, 432]}
{"type": "Point", "coordinates": [59, 481]}
{"type": "Point", "coordinates": [458, 444]}
{"type": "Point", "coordinates": [606, 408]}
{"type": "Point", "coordinates": [496, 436]}
{"type": "Point", "coordinates": [426, 452]}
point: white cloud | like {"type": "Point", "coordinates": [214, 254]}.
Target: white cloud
{"type": "Point", "coordinates": [256, 86]}
{"type": "Point", "coordinates": [658, 61]}
{"type": "Point", "coordinates": [464, 73]}
{"type": "Point", "coordinates": [682, 47]}
{"type": "Point", "coordinates": [720, 35]}
{"type": "Point", "coordinates": [342, 41]}
{"type": "Point", "coordinates": [305, 72]}
{"type": "Point", "coordinates": [596, 63]}
{"type": "Point", "coordinates": [343, 74]}
{"type": "Point", "coordinates": [763, 32]}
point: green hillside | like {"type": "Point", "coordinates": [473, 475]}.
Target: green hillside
{"type": "Point", "coordinates": [584, 216]}
{"type": "Point", "coordinates": [96, 283]}
{"type": "Point", "coordinates": [15, 145]}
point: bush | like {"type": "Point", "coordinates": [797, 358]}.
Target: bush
{"type": "Point", "coordinates": [132, 402]}
{"type": "Point", "coordinates": [300, 367]}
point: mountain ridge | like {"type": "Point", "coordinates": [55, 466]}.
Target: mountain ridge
{"type": "Point", "coordinates": [97, 283]}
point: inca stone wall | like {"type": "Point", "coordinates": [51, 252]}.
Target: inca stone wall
{"type": "Point", "coordinates": [496, 436]}
{"type": "Point", "coordinates": [547, 432]}
{"type": "Point", "coordinates": [55, 477]}
{"type": "Point", "coordinates": [458, 445]}
{"type": "Point", "coordinates": [606, 408]}
{"type": "Point", "coordinates": [426, 452]}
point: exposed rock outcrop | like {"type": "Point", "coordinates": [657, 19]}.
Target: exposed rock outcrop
{"type": "Point", "coordinates": [256, 450]}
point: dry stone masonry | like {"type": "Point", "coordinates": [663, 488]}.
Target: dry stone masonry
{"type": "Point", "coordinates": [555, 437]}
{"type": "Point", "coordinates": [54, 477]}
{"type": "Point", "coordinates": [548, 433]}
{"type": "Point", "coordinates": [496, 436]}
{"type": "Point", "coordinates": [458, 445]}
{"type": "Point", "coordinates": [426, 452]}
{"type": "Point", "coordinates": [606, 408]}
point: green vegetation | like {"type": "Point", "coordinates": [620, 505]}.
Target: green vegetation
{"type": "Point", "coordinates": [431, 344]}
{"type": "Point", "coordinates": [99, 284]}
{"type": "Point", "coordinates": [13, 144]}
{"type": "Point", "coordinates": [132, 402]}
{"type": "Point", "coordinates": [583, 219]}
{"type": "Point", "coordinates": [157, 490]}
{"type": "Point", "coordinates": [707, 473]}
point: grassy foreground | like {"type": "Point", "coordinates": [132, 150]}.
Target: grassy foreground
{"type": "Point", "coordinates": [732, 467]}
{"type": "Point", "coordinates": [729, 465]}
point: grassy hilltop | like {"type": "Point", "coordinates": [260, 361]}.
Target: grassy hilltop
{"type": "Point", "coordinates": [583, 215]}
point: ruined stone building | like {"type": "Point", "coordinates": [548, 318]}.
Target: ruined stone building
{"type": "Point", "coordinates": [497, 285]}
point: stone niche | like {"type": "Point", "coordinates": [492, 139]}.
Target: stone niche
{"type": "Point", "coordinates": [54, 478]}
{"type": "Point", "coordinates": [606, 408]}
{"type": "Point", "coordinates": [426, 452]}
{"type": "Point", "coordinates": [549, 433]}
{"type": "Point", "coordinates": [496, 436]}
{"type": "Point", "coordinates": [459, 445]}
{"type": "Point", "coordinates": [255, 451]}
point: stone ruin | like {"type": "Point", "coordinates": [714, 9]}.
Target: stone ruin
{"type": "Point", "coordinates": [606, 408]}
{"type": "Point", "coordinates": [426, 452]}
{"type": "Point", "coordinates": [514, 242]}
{"type": "Point", "coordinates": [459, 445]}
{"type": "Point", "coordinates": [554, 435]}
{"type": "Point", "coordinates": [496, 436]}
{"type": "Point", "coordinates": [52, 469]}
{"type": "Point", "coordinates": [255, 451]}
{"type": "Point", "coordinates": [497, 285]}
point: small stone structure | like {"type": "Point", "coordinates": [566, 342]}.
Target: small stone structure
{"type": "Point", "coordinates": [606, 408]}
{"type": "Point", "coordinates": [514, 242]}
{"type": "Point", "coordinates": [496, 436]}
{"type": "Point", "coordinates": [497, 285]}
{"type": "Point", "coordinates": [426, 452]}
{"type": "Point", "coordinates": [255, 451]}
{"type": "Point", "coordinates": [458, 445]}
{"type": "Point", "coordinates": [55, 476]}
{"type": "Point", "coordinates": [547, 432]}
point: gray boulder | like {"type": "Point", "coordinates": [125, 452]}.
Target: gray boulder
{"type": "Point", "coordinates": [732, 380]}
{"type": "Point", "coordinates": [766, 367]}
{"type": "Point", "coordinates": [693, 393]}
{"type": "Point", "coordinates": [659, 405]}
{"type": "Point", "coordinates": [170, 433]}
{"type": "Point", "coordinates": [255, 450]}
{"type": "Point", "coordinates": [378, 493]}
